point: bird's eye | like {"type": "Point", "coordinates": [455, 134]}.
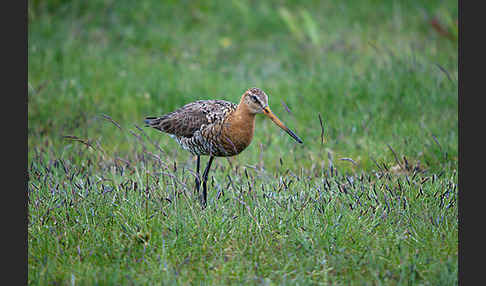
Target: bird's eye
{"type": "Point", "coordinates": [254, 98]}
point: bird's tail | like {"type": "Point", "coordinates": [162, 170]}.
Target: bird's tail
{"type": "Point", "coordinates": [152, 121]}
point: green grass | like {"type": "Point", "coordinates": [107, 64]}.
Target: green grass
{"type": "Point", "coordinates": [122, 211]}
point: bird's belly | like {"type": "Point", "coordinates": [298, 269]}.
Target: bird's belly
{"type": "Point", "coordinates": [198, 145]}
{"type": "Point", "coordinates": [217, 141]}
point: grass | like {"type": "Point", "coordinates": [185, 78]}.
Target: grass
{"type": "Point", "coordinates": [369, 198]}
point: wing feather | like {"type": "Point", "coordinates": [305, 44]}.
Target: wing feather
{"type": "Point", "coordinates": [188, 119]}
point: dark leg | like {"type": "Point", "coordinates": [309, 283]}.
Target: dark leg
{"type": "Point", "coordinates": [205, 179]}
{"type": "Point", "coordinates": [198, 179]}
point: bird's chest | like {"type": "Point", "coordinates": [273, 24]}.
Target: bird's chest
{"type": "Point", "coordinates": [238, 132]}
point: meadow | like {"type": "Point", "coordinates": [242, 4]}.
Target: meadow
{"type": "Point", "coordinates": [370, 198]}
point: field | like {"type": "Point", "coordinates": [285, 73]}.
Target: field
{"type": "Point", "coordinates": [370, 198]}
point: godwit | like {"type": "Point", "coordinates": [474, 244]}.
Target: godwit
{"type": "Point", "coordinates": [216, 128]}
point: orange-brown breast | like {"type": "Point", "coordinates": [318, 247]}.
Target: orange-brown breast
{"type": "Point", "coordinates": [238, 130]}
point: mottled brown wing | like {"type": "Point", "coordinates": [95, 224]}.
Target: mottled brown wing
{"type": "Point", "coordinates": [181, 122]}
{"type": "Point", "coordinates": [189, 118]}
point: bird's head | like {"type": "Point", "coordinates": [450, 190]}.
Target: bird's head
{"type": "Point", "coordinates": [257, 102]}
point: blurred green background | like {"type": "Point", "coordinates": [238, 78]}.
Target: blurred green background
{"type": "Point", "coordinates": [379, 73]}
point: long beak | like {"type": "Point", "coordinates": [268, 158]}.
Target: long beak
{"type": "Point", "coordinates": [277, 121]}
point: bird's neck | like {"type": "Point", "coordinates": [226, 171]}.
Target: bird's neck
{"type": "Point", "coordinates": [240, 128]}
{"type": "Point", "coordinates": [244, 115]}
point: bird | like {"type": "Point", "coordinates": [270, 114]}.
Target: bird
{"type": "Point", "coordinates": [216, 128]}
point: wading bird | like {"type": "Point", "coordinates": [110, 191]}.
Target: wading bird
{"type": "Point", "coordinates": [216, 128]}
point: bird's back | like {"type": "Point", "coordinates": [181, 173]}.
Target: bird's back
{"type": "Point", "coordinates": [185, 121]}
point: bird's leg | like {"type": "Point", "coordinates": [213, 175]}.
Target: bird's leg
{"type": "Point", "coordinates": [198, 178]}
{"type": "Point", "coordinates": [205, 179]}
